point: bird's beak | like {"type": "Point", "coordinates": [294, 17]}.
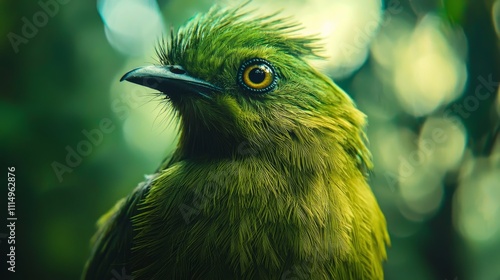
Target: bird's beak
{"type": "Point", "coordinates": [169, 79]}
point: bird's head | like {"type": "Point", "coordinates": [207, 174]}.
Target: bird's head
{"type": "Point", "coordinates": [241, 82]}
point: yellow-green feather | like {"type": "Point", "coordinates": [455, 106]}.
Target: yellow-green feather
{"type": "Point", "coordinates": [272, 186]}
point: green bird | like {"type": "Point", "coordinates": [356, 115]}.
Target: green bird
{"type": "Point", "coordinates": [269, 177]}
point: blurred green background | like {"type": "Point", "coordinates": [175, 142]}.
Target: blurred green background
{"type": "Point", "coordinates": [425, 72]}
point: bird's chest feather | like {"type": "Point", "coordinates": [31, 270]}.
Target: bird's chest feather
{"type": "Point", "coordinates": [247, 218]}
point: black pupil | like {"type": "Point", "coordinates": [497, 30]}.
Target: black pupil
{"type": "Point", "coordinates": [257, 75]}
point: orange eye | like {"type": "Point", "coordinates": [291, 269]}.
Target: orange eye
{"type": "Point", "coordinates": [257, 75]}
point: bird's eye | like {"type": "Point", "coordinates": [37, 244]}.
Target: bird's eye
{"type": "Point", "coordinates": [257, 75]}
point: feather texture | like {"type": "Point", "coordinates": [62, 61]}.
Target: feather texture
{"type": "Point", "coordinates": [260, 187]}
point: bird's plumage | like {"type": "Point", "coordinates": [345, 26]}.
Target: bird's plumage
{"type": "Point", "coordinates": [262, 185]}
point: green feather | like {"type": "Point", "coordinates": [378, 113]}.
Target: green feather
{"type": "Point", "coordinates": [267, 186]}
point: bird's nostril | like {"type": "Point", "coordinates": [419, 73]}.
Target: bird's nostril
{"type": "Point", "coordinates": [177, 70]}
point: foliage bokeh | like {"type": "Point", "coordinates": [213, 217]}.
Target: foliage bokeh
{"type": "Point", "coordinates": [61, 84]}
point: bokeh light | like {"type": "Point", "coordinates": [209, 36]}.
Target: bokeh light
{"type": "Point", "coordinates": [425, 73]}
{"type": "Point", "coordinates": [477, 207]}
{"type": "Point", "coordinates": [334, 22]}
{"type": "Point", "coordinates": [132, 26]}
{"type": "Point", "coordinates": [427, 68]}
{"type": "Point", "coordinates": [495, 11]}
{"type": "Point", "coordinates": [149, 126]}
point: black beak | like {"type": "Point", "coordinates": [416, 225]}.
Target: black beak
{"type": "Point", "coordinates": [169, 79]}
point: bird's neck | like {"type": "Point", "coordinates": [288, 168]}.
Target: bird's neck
{"type": "Point", "coordinates": [201, 142]}
{"type": "Point", "coordinates": [290, 152]}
